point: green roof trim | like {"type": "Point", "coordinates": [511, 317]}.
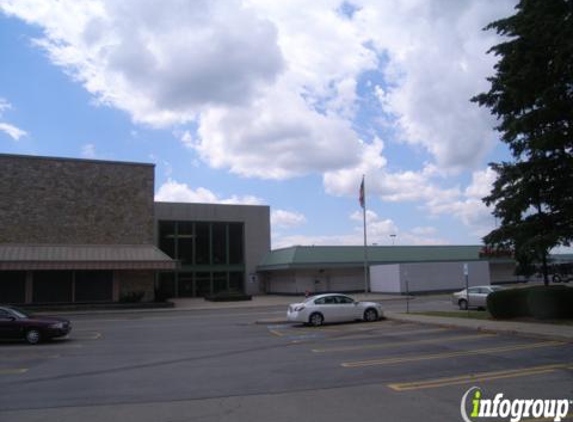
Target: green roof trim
{"type": "Point", "coordinates": [299, 257]}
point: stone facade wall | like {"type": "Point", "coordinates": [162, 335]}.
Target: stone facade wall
{"type": "Point", "coordinates": [68, 201]}
{"type": "Point", "coordinates": [135, 282]}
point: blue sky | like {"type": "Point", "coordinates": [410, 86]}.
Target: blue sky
{"type": "Point", "coordinates": [280, 103]}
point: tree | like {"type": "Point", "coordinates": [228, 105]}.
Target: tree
{"type": "Point", "coordinates": [531, 94]}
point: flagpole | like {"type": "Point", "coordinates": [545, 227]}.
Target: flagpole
{"type": "Point", "coordinates": [363, 203]}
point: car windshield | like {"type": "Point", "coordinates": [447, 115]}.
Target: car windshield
{"type": "Point", "coordinates": [19, 312]}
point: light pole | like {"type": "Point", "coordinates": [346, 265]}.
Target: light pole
{"type": "Point", "coordinates": [393, 236]}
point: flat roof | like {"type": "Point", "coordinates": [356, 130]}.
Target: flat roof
{"type": "Point", "coordinates": [73, 159]}
{"type": "Point", "coordinates": [300, 257]}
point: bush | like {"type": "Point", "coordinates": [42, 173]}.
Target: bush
{"type": "Point", "coordinates": [504, 304]}
{"type": "Point", "coordinates": [132, 297]}
{"type": "Point", "coordinates": [539, 302]}
{"type": "Point", "coordinates": [551, 303]}
{"type": "Point", "coordinates": [161, 296]}
{"type": "Point", "coordinates": [228, 296]}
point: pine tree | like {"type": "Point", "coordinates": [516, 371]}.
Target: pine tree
{"type": "Point", "coordinates": [531, 94]}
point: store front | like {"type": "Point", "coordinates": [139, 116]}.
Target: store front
{"type": "Point", "coordinates": [211, 257]}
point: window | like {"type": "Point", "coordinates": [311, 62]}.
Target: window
{"type": "Point", "coordinates": [5, 316]}
{"type": "Point", "coordinates": [185, 242]}
{"type": "Point", "coordinates": [94, 286]}
{"type": "Point", "coordinates": [13, 286]}
{"type": "Point", "coordinates": [219, 282]}
{"type": "Point", "coordinates": [219, 243]}
{"type": "Point", "coordinates": [202, 284]}
{"type": "Point", "coordinates": [236, 281]}
{"type": "Point", "coordinates": [52, 286]}
{"type": "Point", "coordinates": [167, 237]}
{"type": "Point", "coordinates": [235, 243]}
{"type": "Point", "coordinates": [344, 300]}
{"type": "Point", "coordinates": [202, 244]}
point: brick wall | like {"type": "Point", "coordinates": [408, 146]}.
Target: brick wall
{"type": "Point", "coordinates": [66, 201]}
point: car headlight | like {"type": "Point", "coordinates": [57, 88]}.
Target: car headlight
{"type": "Point", "coordinates": [57, 325]}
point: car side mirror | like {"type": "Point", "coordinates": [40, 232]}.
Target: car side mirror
{"type": "Point", "coordinates": [356, 303]}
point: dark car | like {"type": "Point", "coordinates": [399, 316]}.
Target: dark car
{"type": "Point", "coordinates": [18, 324]}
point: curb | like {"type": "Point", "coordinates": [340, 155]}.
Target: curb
{"type": "Point", "coordinates": [483, 329]}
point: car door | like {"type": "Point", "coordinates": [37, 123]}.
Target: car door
{"type": "Point", "coordinates": [325, 305]}
{"type": "Point", "coordinates": [479, 298]}
{"type": "Point", "coordinates": [9, 326]}
{"type": "Point", "coordinates": [347, 308]}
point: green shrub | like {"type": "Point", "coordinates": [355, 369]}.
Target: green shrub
{"type": "Point", "coordinates": [553, 302]}
{"type": "Point", "coordinates": [228, 296]}
{"type": "Point", "coordinates": [511, 303]}
{"type": "Point", "coordinates": [132, 297]}
{"type": "Point", "coordinates": [539, 302]}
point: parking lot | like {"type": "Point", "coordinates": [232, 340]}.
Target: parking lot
{"type": "Point", "coordinates": [221, 365]}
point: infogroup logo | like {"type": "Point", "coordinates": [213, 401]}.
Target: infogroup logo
{"type": "Point", "coordinates": [514, 410]}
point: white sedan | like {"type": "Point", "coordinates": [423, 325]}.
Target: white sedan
{"type": "Point", "coordinates": [474, 297]}
{"type": "Point", "coordinates": [333, 307]}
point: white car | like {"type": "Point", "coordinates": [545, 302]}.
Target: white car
{"type": "Point", "coordinates": [477, 297]}
{"type": "Point", "coordinates": [333, 307]}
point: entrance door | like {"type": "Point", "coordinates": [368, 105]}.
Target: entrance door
{"type": "Point", "coordinates": [202, 284]}
{"type": "Point", "coordinates": [185, 286]}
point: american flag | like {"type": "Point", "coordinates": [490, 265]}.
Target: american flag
{"type": "Point", "coordinates": [361, 194]}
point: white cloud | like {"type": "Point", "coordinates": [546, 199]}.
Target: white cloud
{"type": "Point", "coordinates": [436, 63]}
{"type": "Point", "coordinates": [12, 131]}
{"type": "Point", "coordinates": [468, 206]}
{"type": "Point", "coordinates": [4, 105]}
{"type": "Point", "coordinates": [287, 219]}
{"type": "Point", "coordinates": [379, 233]}
{"type": "Point", "coordinates": [277, 137]}
{"type": "Point", "coordinates": [89, 151]}
{"type": "Point", "coordinates": [172, 191]}
{"type": "Point", "coordinates": [272, 91]}
{"type": "Point", "coordinates": [162, 62]}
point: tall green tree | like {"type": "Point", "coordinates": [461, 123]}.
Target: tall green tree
{"type": "Point", "coordinates": [531, 94]}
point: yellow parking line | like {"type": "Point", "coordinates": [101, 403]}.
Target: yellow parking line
{"type": "Point", "coordinates": [396, 360]}
{"type": "Point", "coordinates": [477, 377]}
{"type": "Point", "coordinates": [376, 334]}
{"type": "Point", "coordinates": [401, 343]}
{"type": "Point", "coordinates": [276, 333]}
{"type": "Point", "coordinates": [13, 371]}
{"type": "Point", "coordinates": [30, 356]}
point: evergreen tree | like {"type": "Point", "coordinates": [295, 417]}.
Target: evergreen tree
{"type": "Point", "coordinates": [531, 94]}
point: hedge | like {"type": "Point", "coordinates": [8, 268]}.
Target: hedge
{"type": "Point", "coordinates": [228, 296]}
{"type": "Point", "coordinates": [553, 302]}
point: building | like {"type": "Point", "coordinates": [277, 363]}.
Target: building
{"type": "Point", "coordinates": [84, 231]}
{"type": "Point", "coordinates": [218, 247]}
{"type": "Point", "coordinates": [315, 269]}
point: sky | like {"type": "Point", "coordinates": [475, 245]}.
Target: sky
{"type": "Point", "coordinates": [279, 103]}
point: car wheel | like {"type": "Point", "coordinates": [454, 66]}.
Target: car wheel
{"type": "Point", "coordinates": [33, 336]}
{"type": "Point", "coordinates": [370, 315]}
{"type": "Point", "coordinates": [316, 319]}
{"type": "Point", "coordinates": [463, 304]}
